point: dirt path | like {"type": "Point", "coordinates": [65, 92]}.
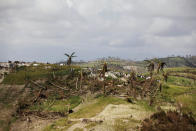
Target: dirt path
{"type": "Point", "coordinates": [106, 120]}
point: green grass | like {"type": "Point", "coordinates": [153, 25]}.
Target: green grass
{"type": "Point", "coordinates": [86, 112]}
{"type": "Point", "coordinates": [34, 73]}
{"type": "Point", "coordinates": [57, 105]}
{"type": "Point", "coordinates": [20, 76]}
{"type": "Point", "coordinates": [181, 69]}
{"type": "Point", "coordinates": [61, 106]}
{"type": "Point", "coordinates": [145, 105]}
{"type": "Point", "coordinates": [174, 90]}
{"type": "Point", "coordinates": [63, 123]}
{"type": "Point", "coordinates": [169, 92]}
{"type": "Point", "coordinates": [180, 81]}
{"type": "Point", "coordinates": [180, 91]}
{"type": "Point", "coordinates": [93, 109]}
{"type": "Point", "coordinates": [188, 102]}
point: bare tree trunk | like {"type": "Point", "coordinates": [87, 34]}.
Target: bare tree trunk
{"type": "Point", "coordinates": [104, 90]}
{"type": "Point", "coordinates": [59, 86]}
{"type": "Point", "coordinates": [160, 87]}
{"type": "Point", "coordinates": [77, 83]}
{"type": "Point", "coordinates": [53, 75]}
{"type": "Point", "coordinates": [35, 100]}
{"type": "Point", "coordinates": [81, 79]}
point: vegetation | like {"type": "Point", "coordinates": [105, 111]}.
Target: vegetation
{"type": "Point", "coordinates": [35, 73]}
{"type": "Point", "coordinates": [93, 109]}
{"type": "Point", "coordinates": [170, 120]}
{"type": "Point", "coordinates": [62, 106]}
{"type": "Point", "coordinates": [51, 91]}
{"type": "Point", "coordinates": [64, 123]}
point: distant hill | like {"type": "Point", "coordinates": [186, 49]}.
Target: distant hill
{"type": "Point", "coordinates": [177, 61]}
{"type": "Point", "coordinates": [180, 61]}
{"type": "Point", "coordinates": [117, 63]}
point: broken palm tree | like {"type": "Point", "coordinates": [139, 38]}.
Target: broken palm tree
{"type": "Point", "coordinates": [150, 66]}
{"type": "Point", "coordinates": [69, 60]}
{"type": "Point", "coordinates": [40, 91]}
{"type": "Point", "coordinates": [104, 70]}
{"type": "Point", "coordinates": [131, 86]}
{"type": "Point", "coordinates": [160, 65]}
{"type": "Point", "coordinates": [165, 75]}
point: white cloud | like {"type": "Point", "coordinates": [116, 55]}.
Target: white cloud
{"type": "Point", "coordinates": [159, 25]}
{"type": "Point", "coordinates": [69, 3]}
{"type": "Point", "coordinates": [135, 28]}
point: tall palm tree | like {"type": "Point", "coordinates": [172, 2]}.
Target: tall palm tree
{"type": "Point", "coordinates": [69, 60]}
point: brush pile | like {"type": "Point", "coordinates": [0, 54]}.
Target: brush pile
{"type": "Point", "coordinates": [169, 121]}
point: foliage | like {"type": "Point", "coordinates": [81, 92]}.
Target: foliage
{"type": "Point", "coordinates": [35, 73]}
{"type": "Point", "coordinates": [57, 105]}
{"type": "Point", "coordinates": [187, 102]}
{"type": "Point", "coordinates": [180, 81]}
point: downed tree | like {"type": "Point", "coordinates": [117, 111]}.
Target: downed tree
{"type": "Point", "coordinates": [59, 87]}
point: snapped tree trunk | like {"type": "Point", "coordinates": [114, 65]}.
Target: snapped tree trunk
{"type": "Point", "coordinates": [81, 79]}
{"type": "Point", "coordinates": [77, 83]}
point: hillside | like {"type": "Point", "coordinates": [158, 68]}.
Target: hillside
{"type": "Point", "coordinates": [118, 63]}
{"type": "Point", "coordinates": [174, 61]}
{"type": "Point", "coordinates": [55, 98]}
{"type": "Point", "coordinates": [180, 61]}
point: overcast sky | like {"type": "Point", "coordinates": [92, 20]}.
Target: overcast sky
{"type": "Point", "coordinates": [43, 30]}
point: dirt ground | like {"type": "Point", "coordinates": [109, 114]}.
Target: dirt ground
{"type": "Point", "coordinates": [31, 123]}
{"type": "Point", "coordinates": [8, 102]}
{"type": "Point", "coordinates": [106, 119]}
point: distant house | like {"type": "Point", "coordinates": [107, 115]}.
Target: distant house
{"type": "Point", "coordinates": [110, 74]}
{"type": "Point", "coordinates": [134, 68]}
{"type": "Point", "coordinates": [35, 64]}
{"type": "Point", "coordinates": [62, 64]}
{"type": "Point", "coordinates": [4, 64]}
{"type": "Point", "coordinates": [48, 67]}
{"type": "Point", "coordinates": [27, 64]}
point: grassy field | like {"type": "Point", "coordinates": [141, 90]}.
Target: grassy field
{"type": "Point", "coordinates": [180, 90]}
{"type": "Point", "coordinates": [93, 109]}
{"type": "Point", "coordinates": [86, 112]}
{"type": "Point", "coordinates": [20, 76]}
{"type": "Point", "coordinates": [57, 105]}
